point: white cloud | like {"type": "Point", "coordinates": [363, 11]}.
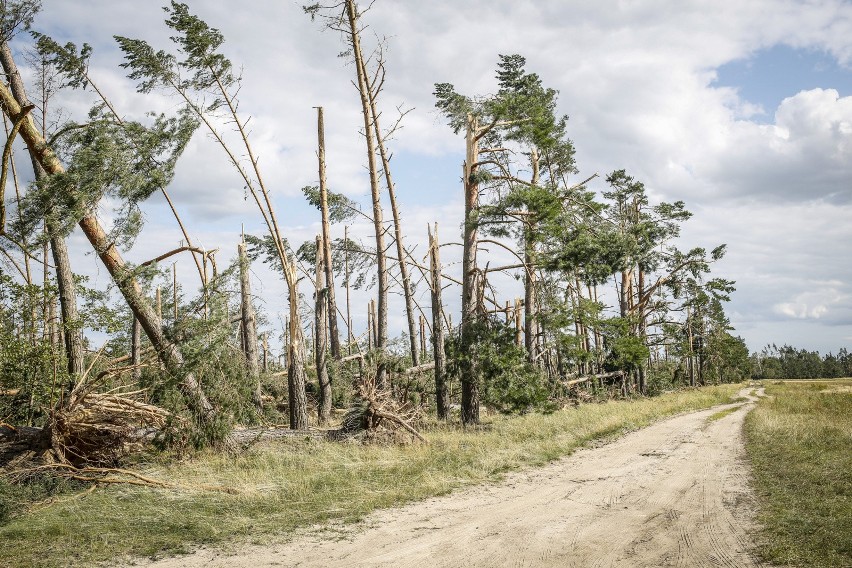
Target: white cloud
{"type": "Point", "coordinates": [636, 79]}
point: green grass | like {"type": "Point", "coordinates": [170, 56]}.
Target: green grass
{"type": "Point", "coordinates": [722, 413]}
{"type": "Point", "coordinates": [293, 484]}
{"type": "Point", "coordinates": [799, 440]}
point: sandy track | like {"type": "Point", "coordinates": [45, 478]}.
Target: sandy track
{"type": "Point", "coordinates": [672, 494]}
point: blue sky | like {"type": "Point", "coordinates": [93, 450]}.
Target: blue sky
{"type": "Point", "coordinates": [768, 76]}
{"type": "Point", "coordinates": [742, 110]}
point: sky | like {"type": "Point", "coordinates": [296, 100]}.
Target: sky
{"type": "Point", "coordinates": [741, 110]}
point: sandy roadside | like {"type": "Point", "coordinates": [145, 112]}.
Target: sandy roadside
{"type": "Point", "coordinates": [672, 494]}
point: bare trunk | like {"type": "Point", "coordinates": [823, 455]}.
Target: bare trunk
{"type": "Point", "coordinates": [249, 322]}
{"type": "Point", "coordinates": [350, 336]}
{"type": "Point", "coordinates": [442, 402]}
{"type": "Point", "coordinates": [378, 222]}
{"type": "Point", "coordinates": [519, 328]}
{"type": "Point", "coordinates": [296, 378]}
{"type": "Point", "coordinates": [121, 274]}
{"type": "Point", "coordinates": [334, 333]}
{"type": "Point", "coordinates": [470, 276]}
{"type": "Point", "coordinates": [320, 343]}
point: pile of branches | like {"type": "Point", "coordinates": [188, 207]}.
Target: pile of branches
{"type": "Point", "coordinates": [101, 428]}
{"type": "Point", "coordinates": [379, 416]}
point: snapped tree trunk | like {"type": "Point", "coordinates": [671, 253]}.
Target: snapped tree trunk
{"type": "Point", "coordinates": [333, 331]}
{"type": "Point", "coordinates": [249, 327]}
{"type": "Point", "coordinates": [73, 337]}
{"type": "Point", "coordinates": [442, 402]}
{"type": "Point", "coordinates": [378, 221]}
{"type": "Point", "coordinates": [320, 343]}
{"type": "Point", "coordinates": [296, 376]}
{"type": "Point", "coordinates": [122, 275]}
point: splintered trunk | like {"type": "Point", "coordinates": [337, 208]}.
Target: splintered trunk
{"type": "Point", "coordinates": [378, 221]}
{"type": "Point", "coordinates": [470, 276]}
{"type": "Point", "coordinates": [442, 402]}
{"type": "Point", "coordinates": [334, 333]}
{"type": "Point", "coordinates": [296, 376]}
{"type": "Point", "coordinates": [122, 275]}
{"type": "Point", "coordinates": [249, 326]}
{"type": "Point", "coordinates": [72, 334]}
{"type": "Point", "coordinates": [320, 343]}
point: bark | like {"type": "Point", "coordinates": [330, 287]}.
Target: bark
{"type": "Point", "coordinates": [378, 223]}
{"type": "Point", "coordinates": [249, 326]}
{"type": "Point", "coordinates": [320, 343]}
{"type": "Point", "coordinates": [333, 331]}
{"type": "Point", "coordinates": [73, 336]}
{"type": "Point", "coordinates": [442, 402]}
{"type": "Point", "coordinates": [122, 275]}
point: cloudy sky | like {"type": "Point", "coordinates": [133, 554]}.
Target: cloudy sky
{"type": "Point", "coordinates": [742, 110]}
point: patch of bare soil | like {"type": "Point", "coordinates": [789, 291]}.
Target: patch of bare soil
{"type": "Point", "coordinates": [672, 494]}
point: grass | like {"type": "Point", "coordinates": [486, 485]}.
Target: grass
{"type": "Point", "coordinates": [722, 413]}
{"type": "Point", "coordinates": [287, 485]}
{"type": "Point", "coordinates": [799, 440]}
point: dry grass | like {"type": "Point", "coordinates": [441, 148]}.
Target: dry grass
{"type": "Point", "coordinates": [799, 441]}
{"type": "Point", "coordinates": [296, 483]}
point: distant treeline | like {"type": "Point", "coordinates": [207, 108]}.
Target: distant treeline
{"type": "Point", "coordinates": [787, 362]}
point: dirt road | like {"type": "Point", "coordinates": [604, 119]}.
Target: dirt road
{"type": "Point", "coordinates": [672, 494]}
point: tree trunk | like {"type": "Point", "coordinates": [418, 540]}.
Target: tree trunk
{"type": "Point", "coordinates": [530, 317]}
{"type": "Point", "coordinates": [320, 344]}
{"type": "Point", "coordinates": [470, 276]}
{"type": "Point", "coordinates": [530, 321]}
{"type": "Point", "coordinates": [349, 334]}
{"type": "Point", "coordinates": [136, 350]}
{"type": "Point", "coordinates": [73, 335]}
{"type": "Point", "coordinates": [442, 403]}
{"type": "Point", "coordinates": [296, 378]}
{"type": "Point", "coordinates": [249, 327]}
{"type": "Point", "coordinates": [378, 222]}
{"type": "Point", "coordinates": [122, 275]}
{"type": "Point", "coordinates": [334, 333]}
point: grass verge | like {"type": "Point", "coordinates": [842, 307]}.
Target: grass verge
{"type": "Point", "coordinates": [293, 484]}
{"type": "Point", "coordinates": [799, 441]}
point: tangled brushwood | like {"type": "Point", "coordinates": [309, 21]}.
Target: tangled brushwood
{"type": "Point", "coordinates": [101, 428]}
{"type": "Point", "coordinates": [378, 415]}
